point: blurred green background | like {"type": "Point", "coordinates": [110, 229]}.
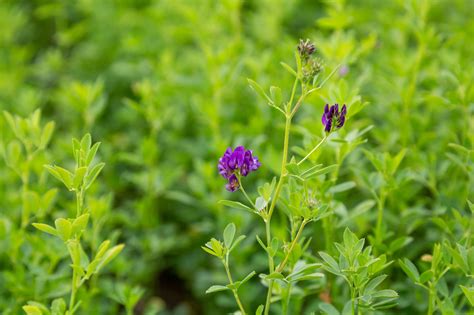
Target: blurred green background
{"type": "Point", "coordinates": [162, 84]}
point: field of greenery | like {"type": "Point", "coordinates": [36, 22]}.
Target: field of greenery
{"type": "Point", "coordinates": [140, 140]}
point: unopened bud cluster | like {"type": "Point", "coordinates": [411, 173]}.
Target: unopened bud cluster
{"type": "Point", "coordinates": [311, 65]}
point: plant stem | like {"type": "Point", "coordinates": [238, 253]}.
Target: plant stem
{"type": "Point", "coordinates": [273, 204]}
{"type": "Point", "coordinates": [79, 201]}
{"type": "Point", "coordinates": [74, 287]}
{"type": "Point", "coordinates": [245, 193]}
{"type": "Point", "coordinates": [283, 166]}
{"type": "Point", "coordinates": [293, 243]}
{"type": "Point", "coordinates": [314, 149]}
{"type": "Point", "coordinates": [231, 282]}
{"type": "Point", "coordinates": [25, 179]}
{"type": "Point", "coordinates": [73, 293]}
{"type": "Point", "coordinates": [286, 300]}
{"type": "Point", "coordinates": [271, 267]}
{"type": "Point", "coordinates": [378, 229]}
{"type": "Point", "coordinates": [430, 300]}
{"type": "Point", "coordinates": [353, 294]}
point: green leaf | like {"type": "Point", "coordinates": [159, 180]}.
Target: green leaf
{"type": "Point", "coordinates": [79, 177]}
{"type": "Point", "coordinates": [400, 243]}
{"type": "Point", "coordinates": [328, 309]}
{"type": "Point", "coordinates": [216, 288]}
{"type": "Point", "coordinates": [266, 190]}
{"type": "Point", "coordinates": [92, 153]}
{"type": "Point", "coordinates": [45, 228]}
{"type": "Point", "coordinates": [13, 154]}
{"type": "Point", "coordinates": [374, 283]}
{"type": "Point", "coordinates": [262, 244]}
{"type": "Point", "coordinates": [257, 88]}
{"type": "Point", "coordinates": [350, 239]}
{"type": "Point", "coordinates": [426, 276]}
{"type": "Point", "coordinates": [410, 269]}
{"type": "Point", "coordinates": [309, 276]}
{"type": "Point", "coordinates": [289, 69]}
{"type": "Point", "coordinates": [92, 175]}
{"type": "Point", "coordinates": [86, 142]}
{"type": "Point", "coordinates": [458, 258]}
{"type": "Point", "coordinates": [259, 310]}
{"type": "Point", "coordinates": [63, 228]}
{"type": "Point", "coordinates": [469, 293]}
{"type": "Point", "coordinates": [11, 121]}
{"type": "Point", "coordinates": [274, 245]}
{"type": "Point", "coordinates": [102, 249]}
{"type": "Point", "coordinates": [74, 248]}
{"type": "Point", "coordinates": [385, 294]}
{"type": "Point", "coordinates": [48, 199]}
{"type": "Point", "coordinates": [79, 224]}
{"type": "Point", "coordinates": [32, 310]}
{"type": "Point", "coordinates": [319, 172]}
{"type": "Point", "coordinates": [62, 174]}
{"type": "Point", "coordinates": [58, 307]}
{"type": "Point", "coordinates": [342, 187]}
{"type": "Point", "coordinates": [260, 203]}
{"type": "Point", "coordinates": [274, 275]}
{"type": "Point", "coordinates": [275, 93]}
{"type": "Point", "coordinates": [234, 204]}
{"type": "Point", "coordinates": [471, 206]}
{"type": "Point", "coordinates": [111, 254]}
{"type": "Point", "coordinates": [76, 148]}
{"type": "Point", "coordinates": [209, 251]}
{"type": "Point", "coordinates": [248, 277]}
{"type": "Point", "coordinates": [292, 167]}
{"type": "Point", "coordinates": [237, 241]}
{"type": "Point", "coordinates": [46, 134]}
{"type": "Point", "coordinates": [331, 262]}
{"type": "Point", "coordinates": [229, 233]}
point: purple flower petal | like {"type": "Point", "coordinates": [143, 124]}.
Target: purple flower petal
{"type": "Point", "coordinates": [233, 184]}
{"type": "Point", "coordinates": [237, 162]}
{"type": "Point", "coordinates": [332, 117]}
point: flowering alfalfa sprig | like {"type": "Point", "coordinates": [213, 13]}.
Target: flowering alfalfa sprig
{"type": "Point", "coordinates": [237, 163]}
{"type": "Point", "coordinates": [305, 78]}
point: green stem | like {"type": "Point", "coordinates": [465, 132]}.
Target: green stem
{"type": "Point", "coordinates": [283, 167]}
{"type": "Point", "coordinates": [25, 179]}
{"type": "Point", "coordinates": [73, 293]}
{"type": "Point", "coordinates": [231, 282]}
{"type": "Point", "coordinates": [293, 243]}
{"type": "Point", "coordinates": [245, 193]}
{"type": "Point", "coordinates": [74, 287]}
{"type": "Point", "coordinates": [271, 267]}
{"type": "Point", "coordinates": [273, 204]}
{"type": "Point", "coordinates": [378, 229]}
{"type": "Point", "coordinates": [79, 201]}
{"type": "Point", "coordinates": [314, 149]}
{"type": "Point", "coordinates": [431, 300]}
{"type": "Point", "coordinates": [286, 300]}
{"type": "Point", "coordinates": [353, 302]}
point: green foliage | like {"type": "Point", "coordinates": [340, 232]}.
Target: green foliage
{"type": "Point", "coordinates": [359, 268]}
{"type": "Point", "coordinates": [163, 85]}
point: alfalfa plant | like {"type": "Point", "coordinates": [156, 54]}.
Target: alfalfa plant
{"type": "Point", "coordinates": [71, 230]}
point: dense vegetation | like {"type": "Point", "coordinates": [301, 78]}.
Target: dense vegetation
{"type": "Point", "coordinates": [163, 86]}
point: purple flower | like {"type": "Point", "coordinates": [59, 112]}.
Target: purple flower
{"type": "Point", "coordinates": [344, 70]}
{"type": "Point", "coordinates": [233, 183]}
{"type": "Point", "coordinates": [238, 162]}
{"type": "Point", "coordinates": [332, 119]}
